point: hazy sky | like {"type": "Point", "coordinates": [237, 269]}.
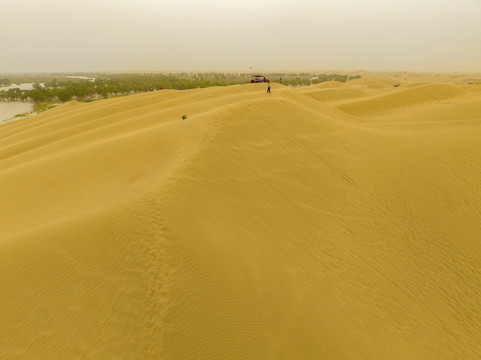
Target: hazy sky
{"type": "Point", "coordinates": [269, 35]}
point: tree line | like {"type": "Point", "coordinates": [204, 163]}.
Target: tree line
{"type": "Point", "coordinates": [108, 85]}
{"type": "Point", "coordinates": [306, 79]}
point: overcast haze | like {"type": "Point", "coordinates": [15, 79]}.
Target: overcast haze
{"type": "Point", "coordinates": [222, 35]}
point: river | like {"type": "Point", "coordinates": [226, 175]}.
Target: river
{"type": "Point", "coordinates": [9, 109]}
{"type": "Point", "coordinates": [80, 77]}
{"type": "Point", "coordinates": [24, 86]}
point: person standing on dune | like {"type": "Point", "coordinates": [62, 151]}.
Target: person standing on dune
{"type": "Point", "coordinates": [269, 87]}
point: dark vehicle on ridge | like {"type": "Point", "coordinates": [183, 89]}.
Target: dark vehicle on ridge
{"type": "Point", "coordinates": [259, 78]}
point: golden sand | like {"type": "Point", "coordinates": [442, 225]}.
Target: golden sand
{"type": "Point", "coordinates": [337, 221]}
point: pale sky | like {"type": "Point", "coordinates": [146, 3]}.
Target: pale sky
{"type": "Point", "coordinates": [224, 35]}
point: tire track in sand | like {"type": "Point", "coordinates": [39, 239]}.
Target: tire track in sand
{"type": "Point", "coordinates": [319, 159]}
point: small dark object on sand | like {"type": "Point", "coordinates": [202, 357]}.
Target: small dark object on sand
{"type": "Point", "coordinates": [184, 117]}
{"type": "Point", "coordinates": [396, 85]}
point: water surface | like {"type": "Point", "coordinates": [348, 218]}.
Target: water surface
{"type": "Point", "coordinates": [9, 109]}
{"type": "Point", "coordinates": [24, 86]}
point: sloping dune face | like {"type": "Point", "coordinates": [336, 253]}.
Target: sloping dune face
{"type": "Point", "coordinates": [330, 222]}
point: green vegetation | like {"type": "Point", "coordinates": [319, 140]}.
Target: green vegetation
{"type": "Point", "coordinates": [58, 88]}
{"type": "Point", "coordinates": [306, 79]}
{"type": "Point", "coordinates": [23, 114]}
{"type": "Point", "coordinates": [4, 82]}
{"type": "Point", "coordinates": [36, 109]}
{"type": "Point", "coordinates": [42, 107]}
{"type": "Point", "coordinates": [63, 89]}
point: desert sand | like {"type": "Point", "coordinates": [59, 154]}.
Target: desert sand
{"type": "Point", "coordinates": [336, 221]}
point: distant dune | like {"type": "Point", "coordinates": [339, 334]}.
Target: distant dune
{"type": "Point", "coordinates": [337, 221]}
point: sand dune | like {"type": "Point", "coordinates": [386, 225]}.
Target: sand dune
{"type": "Point", "coordinates": [339, 221]}
{"type": "Point", "coordinates": [402, 98]}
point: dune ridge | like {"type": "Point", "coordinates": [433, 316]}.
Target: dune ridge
{"type": "Point", "coordinates": [334, 221]}
{"type": "Point", "coordinates": [420, 94]}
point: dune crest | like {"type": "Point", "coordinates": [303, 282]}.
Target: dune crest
{"type": "Point", "coordinates": [335, 221]}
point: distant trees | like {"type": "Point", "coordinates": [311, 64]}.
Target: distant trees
{"type": "Point", "coordinates": [14, 94]}
{"type": "Point", "coordinates": [105, 85]}
{"type": "Point", "coordinates": [296, 81]}
{"type": "Point", "coordinates": [305, 79]}
{"type": "Point", "coordinates": [64, 94]}
{"type": "Point", "coordinates": [4, 82]}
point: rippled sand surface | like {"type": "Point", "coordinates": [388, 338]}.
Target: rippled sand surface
{"type": "Point", "coordinates": [337, 221]}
